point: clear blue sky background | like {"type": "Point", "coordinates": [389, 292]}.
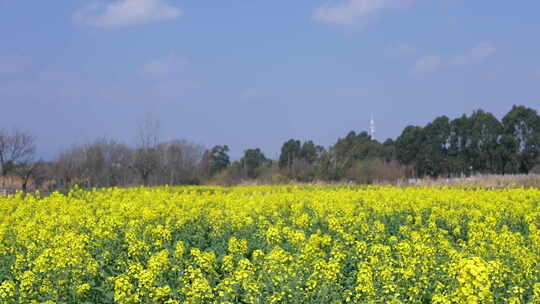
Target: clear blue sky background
{"type": "Point", "coordinates": [256, 73]}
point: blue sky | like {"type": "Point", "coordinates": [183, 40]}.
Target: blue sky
{"type": "Point", "coordinates": [256, 73]}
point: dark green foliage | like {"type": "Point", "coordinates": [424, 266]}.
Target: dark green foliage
{"type": "Point", "coordinates": [348, 152]}
{"type": "Point", "coordinates": [522, 131]}
{"type": "Point", "coordinates": [388, 150]}
{"type": "Point", "coordinates": [409, 145]}
{"type": "Point", "coordinates": [300, 161]}
{"type": "Point", "coordinates": [310, 152]}
{"type": "Point", "coordinates": [434, 151]}
{"type": "Point", "coordinates": [485, 135]}
{"type": "Point", "coordinates": [356, 147]}
{"type": "Point", "coordinates": [253, 159]}
{"type": "Point", "coordinates": [218, 159]}
{"type": "Point", "coordinates": [289, 151]}
{"type": "Point", "coordinates": [479, 143]}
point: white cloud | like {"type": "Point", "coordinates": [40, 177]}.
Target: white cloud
{"type": "Point", "coordinates": [355, 12]}
{"type": "Point", "coordinates": [124, 13]}
{"type": "Point", "coordinates": [477, 54]}
{"type": "Point", "coordinates": [426, 64]}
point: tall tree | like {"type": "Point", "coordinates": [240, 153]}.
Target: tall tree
{"type": "Point", "coordinates": [218, 159]}
{"type": "Point", "coordinates": [459, 143]}
{"type": "Point", "coordinates": [485, 136]}
{"type": "Point", "coordinates": [179, 160]}
{"type": "Point", "coordinates": [348, 152]}
{"type": "Point", "coordinates": [409, 146]}
{"type": "Point", "coordinates": [356, 147]}
{"type": "Point", "coordinates": [523, 125]}
{"type": "Point", "coordinates": [146, 159]}
{"type": "Point", "coordinates": [291, 150]}
{"type": "Point", "coordinates": [432, 159]}
{"type": "Point", "coordinates": [252, 160]}
{"type": "Point", "coordinates": [310, 152]}
{"type": "Point", "coordinates": [388, 150]}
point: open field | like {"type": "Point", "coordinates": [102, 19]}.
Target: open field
{"type": "Point", "coordinates": [484, 180]}
{"type": "Point", "coordinates": [272, 244]}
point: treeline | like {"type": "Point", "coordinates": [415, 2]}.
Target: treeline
{"type": "Point", "coordinates": [478, 143]}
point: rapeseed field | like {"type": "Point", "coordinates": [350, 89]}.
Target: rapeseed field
{"type": "Point", "coordinates": [272, 244]}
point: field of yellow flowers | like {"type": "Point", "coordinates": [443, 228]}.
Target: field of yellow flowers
{"type": "Point", "coordinates": [272, 244]}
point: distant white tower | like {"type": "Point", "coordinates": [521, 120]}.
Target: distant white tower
{"type": "Point", "coordinates": [372, 127]}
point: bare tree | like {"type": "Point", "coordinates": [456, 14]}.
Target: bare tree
{"type": "Point", "coordinates": [105, 162]}
{"type": "Point", "coordinates": [26, 171]}
{"type": "Point", "coordinates": [178, 162]}
{"type": "Point", "coordinates": [101, 163]}
{"type": "Point", "coordinates": [17, 148]}
{"type": "Point", "coordinates": [146, 157]}
{"type": "Point", "coordinates": [148, 132]}
{"type": "Point", "coordinates": [69, 167]}
{"type": "Point", "coordinates": [117, 157]}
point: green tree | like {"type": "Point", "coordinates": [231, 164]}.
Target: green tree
{"type": "Point", "coordinates": [252, 160]}
{"type": "Point", "coordinates": [327, 168]}
{"type": "Point", "coordinates": [459, 142]}
{"type": "Point", "coordinates": [310, 152]}
{"type": "Point", "coordinates": [485, 153]}
{"type": "Point", "coordinates": [300, 161]}
{"type": "Point", "coordinates": [291, 150]}
{"type": "Point", "coordinates": [523, 125]}
{"type": "Point", "coordinates": [356, 147]}
{"type": "Point", "coordinates": [409, 146]}
{"type": "Point", "coordinates": [388, 151]}
{"type": "Point", "coordinates": [215, 160]}
{"type": "Point", "coordinates": [348, 151]}
{"type": "Point", "coordinates": [432, 158]}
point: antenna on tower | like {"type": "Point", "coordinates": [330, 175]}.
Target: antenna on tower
{"type": "Point", "coordinates": [372, 128]}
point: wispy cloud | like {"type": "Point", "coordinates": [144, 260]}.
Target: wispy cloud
{"type": "Point", "coordinates": [124, 13]}
{"type": "Point", "coordinates": [168, 75]}
{"type": "Point", "coordinates": [475, 55]}
{"type": "Point", "coordinates": [249, 94]}
{"type": "Point", "coordinates": [426, 64]}
{"type": "Point", "coordinates": [356, 12]}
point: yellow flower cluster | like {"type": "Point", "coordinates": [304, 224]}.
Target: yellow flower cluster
{"type": "Point", "coordinates": [272, 244]}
